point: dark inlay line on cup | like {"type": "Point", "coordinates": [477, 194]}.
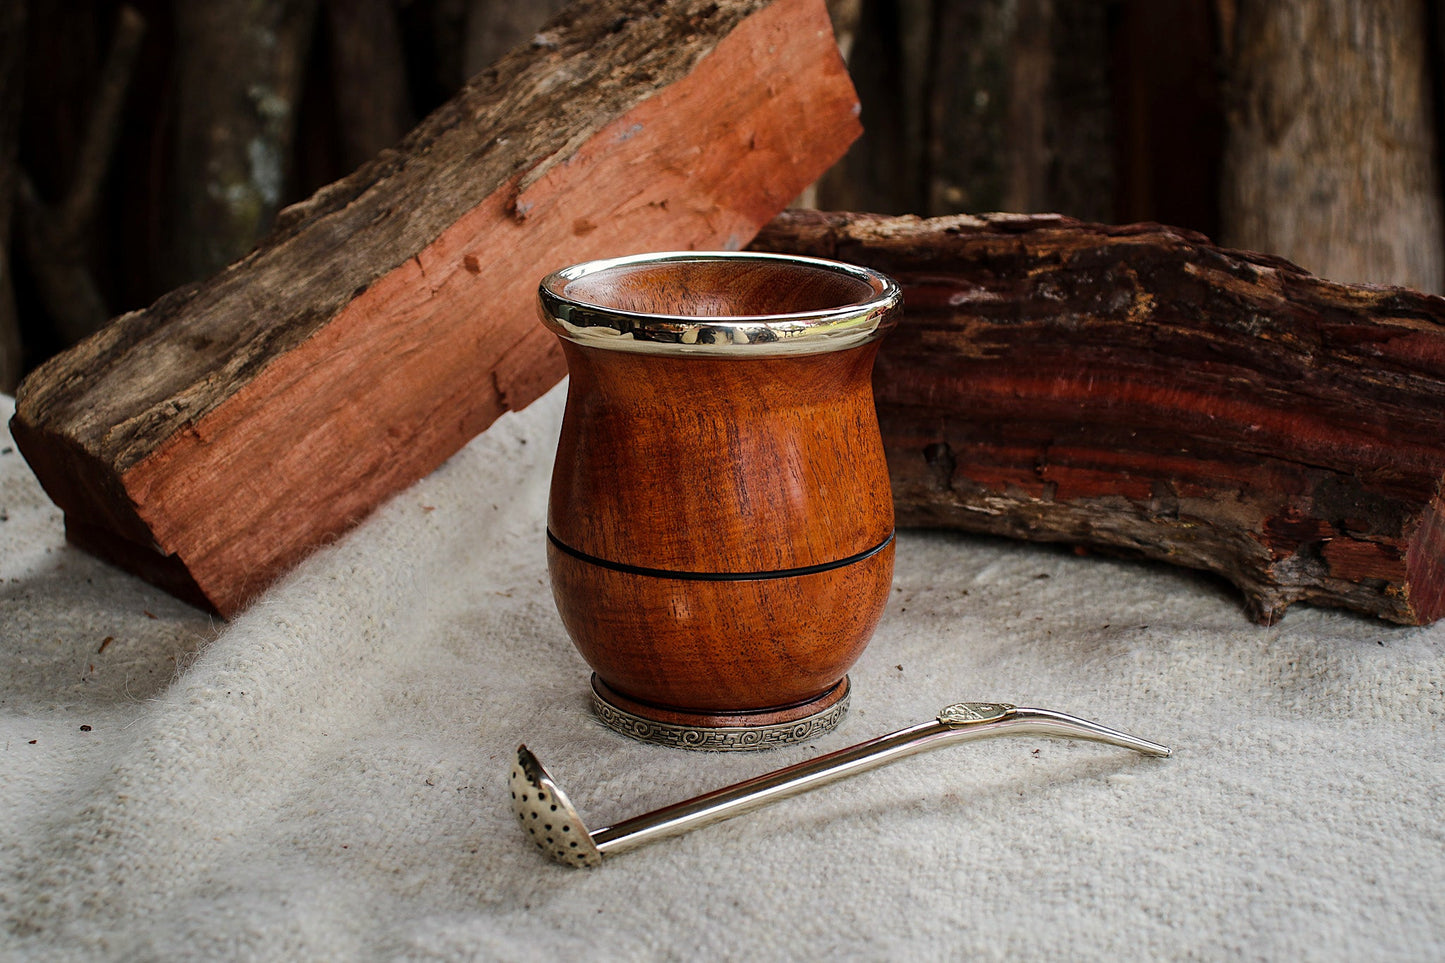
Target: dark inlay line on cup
{"type": "Point", "coordinates": [627, 569]}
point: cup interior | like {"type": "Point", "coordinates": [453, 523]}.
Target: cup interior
{"type": "Point", "coordinates": [719, 288]}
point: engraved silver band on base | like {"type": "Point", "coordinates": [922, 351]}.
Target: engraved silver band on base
{"type": "Point", "coordinates": [720, 738]}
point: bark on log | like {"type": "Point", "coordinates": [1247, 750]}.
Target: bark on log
{"type": "Point", "coordinates": [212, 439]}
{"type": "Point", "coordinates": [1139, 390]}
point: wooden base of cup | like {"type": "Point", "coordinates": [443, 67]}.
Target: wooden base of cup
{"type": "Point", "coordinates": [721, 732]}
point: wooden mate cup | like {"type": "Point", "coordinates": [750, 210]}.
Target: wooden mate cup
{"type": "Point", "coordinates": [720, 529]}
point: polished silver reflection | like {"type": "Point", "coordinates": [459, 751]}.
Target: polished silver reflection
{"type": "Point", "coordinates": [554, 826]}
{"type": "Point", "coordinates": [760, 335]}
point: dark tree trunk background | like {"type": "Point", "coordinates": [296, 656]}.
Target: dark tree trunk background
{"type": "Point", "coordinates": [1342, 91]}
{"type": "Point", "coordinates": [238, 79]}
{"type": "Point", "coordinates": [146, 144]}
{"type": "Point", "coordinates": [369, 82]}
{"type": "Point", "coordinates": [1103, 111]}
{"type": "Point", "coordinates": [12, 80]}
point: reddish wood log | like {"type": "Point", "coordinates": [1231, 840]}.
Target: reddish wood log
{"type": "Point", "coordinates": [1139, 390]}
{"type": "Point", "coordinates": [214, 438]}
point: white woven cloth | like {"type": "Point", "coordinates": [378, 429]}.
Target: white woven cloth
{"type": "Point", "coordinates": [325, 777]}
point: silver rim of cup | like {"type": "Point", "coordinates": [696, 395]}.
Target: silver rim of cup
{"type": "Point", "coordinates": [572, 310]}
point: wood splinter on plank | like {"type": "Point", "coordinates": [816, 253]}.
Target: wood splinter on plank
{"type": "Point", "coordinates": [211, 440]}
{"type": "Point", "coordinates": [1139, 390]}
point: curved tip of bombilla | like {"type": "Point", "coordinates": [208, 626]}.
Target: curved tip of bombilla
{"type": "Point", "coordinates": [1049, 722]}
{"type": "Point", "coordinates": [985, 718]}
{"type": "Point", "coordinates": [547, 815]}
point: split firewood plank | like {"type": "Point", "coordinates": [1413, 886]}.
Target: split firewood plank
{"type": "Point", "coordinates": [1139, 390]}
{"type": "Point", "coordinates": [214, 438]}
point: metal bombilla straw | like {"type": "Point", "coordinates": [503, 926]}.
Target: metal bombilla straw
{"type": "Point", "coordinates": [555, 827]}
